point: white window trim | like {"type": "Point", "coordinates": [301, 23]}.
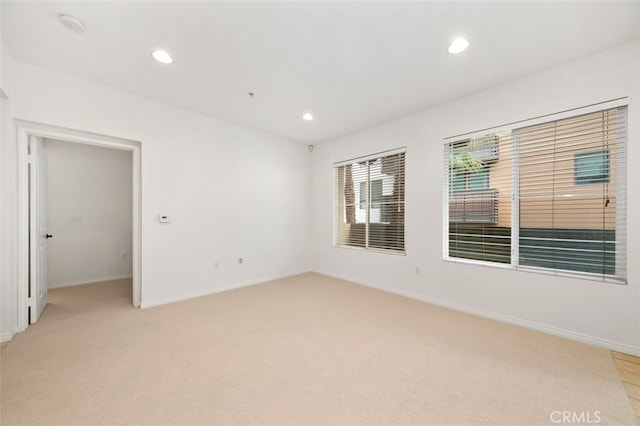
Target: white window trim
{"type": "Point", "coordinates": [371, 156]}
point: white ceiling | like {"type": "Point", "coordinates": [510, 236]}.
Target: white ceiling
{"type": "Point", "coordinates": [352, 64]}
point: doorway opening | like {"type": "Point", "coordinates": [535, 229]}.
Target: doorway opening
{"type": "Point", "coordinates": [89, 225]}
{"type": "Point", "coordinates": [32, 233]}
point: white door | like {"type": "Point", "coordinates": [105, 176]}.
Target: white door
{"type": "Point", "coordinates": [38, 237]}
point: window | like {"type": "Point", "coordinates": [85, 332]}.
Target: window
{"type": "Point", "coordinates": [376, 194]}
{"type": "Point", "coordinates": [591, 168]}
{"type": "Point", "coordinates": [372, 217]}
{"type": "Point", "coordinates": [477, 179]}
{"type": "Point", "coordinates": [558, 189]}
{"type": "Point", "coordinates": [458, 180]}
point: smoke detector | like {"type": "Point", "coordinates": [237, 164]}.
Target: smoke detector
{"type": "Point", "coordinates": [74, 24]}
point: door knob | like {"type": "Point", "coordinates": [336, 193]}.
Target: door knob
{"type": "Point", "coordinates": [47, 236]}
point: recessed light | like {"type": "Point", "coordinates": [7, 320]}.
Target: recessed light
{"type": "Point", "coordinates": [307, 116]}
{"type": "Point", "coordinates": [74, 24]}
{"type": "Point", "coordinates": [458, 45]}
{"type": "Point", "coordinates": [162, 56]}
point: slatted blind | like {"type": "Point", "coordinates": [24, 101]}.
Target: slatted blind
{"type": "Point", "coordinates": [479, 194]}
{"type": "Point", "coordinates": [369, 198]}
{"type": "Point", "coordinates": [559, 189]}
{"type": "Point", "coordinates": [572, 185]}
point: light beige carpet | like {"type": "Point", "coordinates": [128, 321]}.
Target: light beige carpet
{"type": "Point", "coordinates": [303, 350]}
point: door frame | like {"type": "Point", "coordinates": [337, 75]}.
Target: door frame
{"type": "Point", "coordinates": [28, 128]}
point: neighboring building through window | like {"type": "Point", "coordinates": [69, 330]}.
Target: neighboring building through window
{"type": "Point", "coordinates": [558, 189]}
{"type": "Point", "coordinates": [369, 202]}
{"type": "Point", "coordinates": [464, 181]}
{"type": "Point", "coordinates": [471, 199]}
{"type": "Point", "coordinates": [591, 168]}
{"type": "Point", "coordinates": [376, 194]}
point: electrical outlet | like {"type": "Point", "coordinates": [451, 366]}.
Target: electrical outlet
{"type": "Point", "coordinates": [418, 270]}
{"type": "Point", "coordinates": [240, 261]}
{"type": "Point", "coordinates": [216, 264]}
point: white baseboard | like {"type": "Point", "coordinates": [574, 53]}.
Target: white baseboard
{"type": "Point", "coordinates": [556, 331]}
{"type": "Point", "coordinates": [60, 284]}
{"type": "Point", "coordinates": [6, 337]}
{"type": "Point", "coordinates": [208, 291]}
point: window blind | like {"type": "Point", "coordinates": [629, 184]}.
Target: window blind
{"type": "Point", "coordinates": [572, 185]}
{"type": "Point", "coordinates": [560, 187]}
{"type": "Point", "coordinates": [369, 197]}
{"type": "Point", "coordinates": [479, 194]}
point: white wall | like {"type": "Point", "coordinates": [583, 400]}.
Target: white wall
{"type": "Point", "coordinates": [8, 202]}
{"type": "Point", "coordinates": [5, 247]}
{"type": "Point", "coordinates": [601, 313]}
{"type": "Point", "coordinates": [209, 175]}
{"type": "Point", "coordinates": [89, 213]}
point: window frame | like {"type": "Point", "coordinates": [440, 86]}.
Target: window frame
{"type": "Point", "coordinates": [369, 190]}
{"type": "Point", "coordinates": [621, 278]}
